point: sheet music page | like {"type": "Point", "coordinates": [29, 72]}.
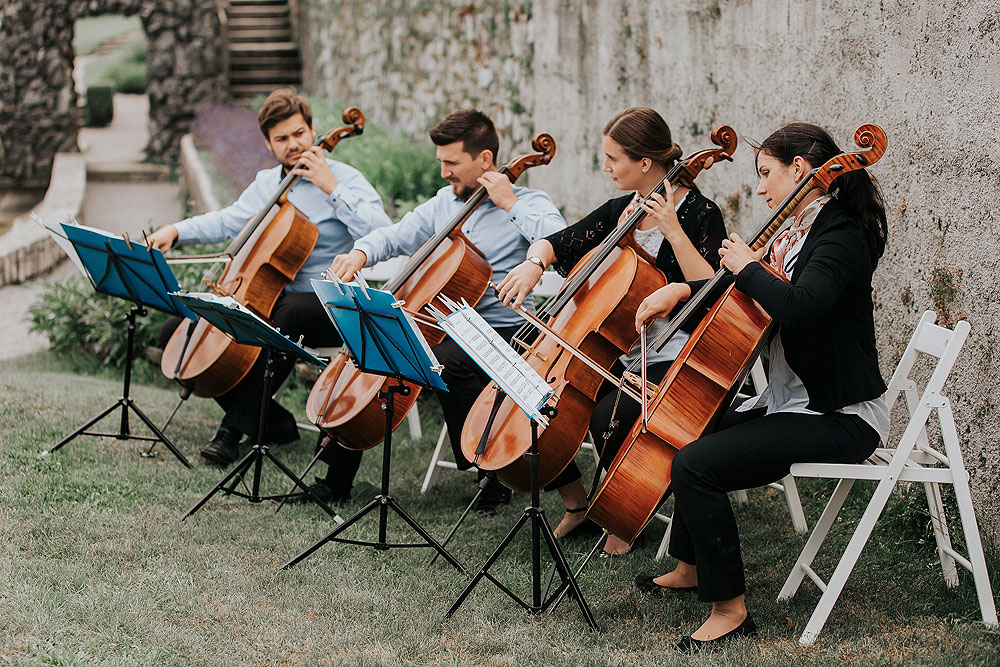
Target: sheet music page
{"type": "Point", "coordinates": [59, 236]}
{"type": "Point", "coordinates": [511, 372]}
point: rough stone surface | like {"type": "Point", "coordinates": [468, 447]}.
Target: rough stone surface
{"type": "Point", "coordinates": [925, 71]}
{"type": "Point", "coordinates": [38, 103]}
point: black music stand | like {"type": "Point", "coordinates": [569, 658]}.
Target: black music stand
{"type": "Point", "coordinates": [518, 381]}
{"type": "Point", "coordinates": [226, 314]}
{"type": "Point", "coordinates": [135, 273]}
{"type": "Point", "coordinates": [383, 340]}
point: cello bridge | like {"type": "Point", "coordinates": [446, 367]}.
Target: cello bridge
{"type": "Point", "coordinates": [529, 349]}
{"type": "Point", "coordinates": [636, 381]}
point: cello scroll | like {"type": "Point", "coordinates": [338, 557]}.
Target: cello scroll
{"type": "Point", "coordinates": [356, 125]}
{"type": "Point", "coordinates": [542, 142]}
{"type": "Point", "coordinates": [723, 136]}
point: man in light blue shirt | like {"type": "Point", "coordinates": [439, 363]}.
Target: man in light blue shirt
{"type": "Point", "coordinates": [344, 207]}
{"type": "Point", "coordinates": [502, 228]}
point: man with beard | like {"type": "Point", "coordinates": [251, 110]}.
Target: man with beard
{"type": "Point", "coordinates": [502, 228]}
{"type": "Point", "coordinates": [339, 201]}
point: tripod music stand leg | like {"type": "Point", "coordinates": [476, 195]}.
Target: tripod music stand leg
{"type": "Point", "coordinates": [299, 483]}
{"type": "Point", "coordinates": [158, 433]}
{"type": "Point", "coordinates": [83, 428]}
{"type": "Point", "coordinates": [301, 477]}
{"type": "Point", "coordinates": [579, 570]}
{"type": "Point", "coordinates": [391, 503]}
{"type": "Point", "coordinates": [567, 575]}
{"type": "Point", "coordinates": [373, 504]}
{"type": "Point", "coordinates": [488, 564]}
{"type": "Point", "coordinates": [238, 470]}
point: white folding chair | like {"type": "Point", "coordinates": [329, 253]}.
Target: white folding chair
{"type": "Point", "coordinates": [912, 460]}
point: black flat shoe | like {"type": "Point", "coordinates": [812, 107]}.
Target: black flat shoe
{"type": "Point", "coordinates": [646, 584]}
{"type": "Point", "coordinates": [691, 645]}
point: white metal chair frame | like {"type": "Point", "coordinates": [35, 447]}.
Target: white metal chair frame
{"type": "Point", "coordinates": [912, 460]}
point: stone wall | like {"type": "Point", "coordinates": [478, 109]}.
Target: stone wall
{"type": "Point", "coordinates": [925, 71]}
{"type": "Point", "coordinates": [39, 113]}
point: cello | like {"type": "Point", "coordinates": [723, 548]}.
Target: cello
{"type": "Point", "coordinates": [344, 399]}
{"type": "Point", "coordinates": [704, 378]}
{"type": "Point", "coordinates": [591, 313]}
{"type": "Point", "coordinates": [265, 256]}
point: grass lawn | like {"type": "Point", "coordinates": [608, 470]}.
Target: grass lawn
{"type": "Point", "coordinates": [97, 569]}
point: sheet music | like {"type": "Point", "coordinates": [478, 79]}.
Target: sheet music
{"type": "Point", "coordinates": [487, 348]}
{"type": "Point", "coordinates": [56, 232]}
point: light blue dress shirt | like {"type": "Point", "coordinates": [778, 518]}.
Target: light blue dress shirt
{"type": "Point", "coordinates": [352, 210]}
{"type": "Point", "coordinates": [501, 236]}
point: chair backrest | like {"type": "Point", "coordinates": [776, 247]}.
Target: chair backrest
{"type": "Point", "coordinates": [936, 341]}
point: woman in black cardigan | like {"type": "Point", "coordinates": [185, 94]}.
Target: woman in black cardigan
{"type": "Point", "coordinates": [682, 229]}
{"type": "Point", "coordinates": [825, 398]}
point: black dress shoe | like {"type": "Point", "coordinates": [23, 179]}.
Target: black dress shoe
{"type": "Point", "coordinates": [224, 447]}
{"type": "Point", "coordinates": [691, 645]}
{"type": "Point", "coordinates": [646, 584]}
{"type": "Point", "coordinates": [324, 492]}
{"type": "Point", "coordinates": [493, 496]}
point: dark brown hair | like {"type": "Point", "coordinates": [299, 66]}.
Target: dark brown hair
{"type": "Point", "coordinates": [473, 128]}
{"type": "Point", "coordinates": [856, 190]}
{"type": "Point", "coordinates": [280, 105]}
{"type": "Point", "coordinates": [642, 133]}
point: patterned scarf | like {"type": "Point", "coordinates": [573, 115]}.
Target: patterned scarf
{"type": "Point", "coordinates": [782, 257]}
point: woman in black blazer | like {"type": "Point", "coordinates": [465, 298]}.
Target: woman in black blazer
{"type": "Point", "coordinates": [683, 231]}
{"type": "Point", "coordinates": [825, 398]}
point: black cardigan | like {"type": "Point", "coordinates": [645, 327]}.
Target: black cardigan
{"type": "Point", "coordinates": [698, 216]}
{"type": "Point", "coordinates": [825, 313]}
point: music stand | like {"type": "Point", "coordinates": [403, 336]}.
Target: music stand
{"type": "Point", "coordinates": [384, 340]}
{"type": "Point", "coordinates": [246, 328]}
{"type": "Point", "coordinates": [517, 380]}
{"type": "Point", "coordinates": [136, 273]}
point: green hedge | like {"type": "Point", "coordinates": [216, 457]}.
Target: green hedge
{"type": "Point", "coordinates": [100, 107]}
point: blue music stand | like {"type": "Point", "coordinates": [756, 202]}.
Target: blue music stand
{"type": "Point", "coordinates": [139, 274]}
{"type": "Point", "coordinates": [246, 328]}
{"type": "Point", "coordinates": [382, 339]}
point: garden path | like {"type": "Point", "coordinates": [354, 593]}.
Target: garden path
{"type": "Point", "coordinates": [123, 195]}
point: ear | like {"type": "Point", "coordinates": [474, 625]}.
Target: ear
{"type": "Point", "coordinates": [799, 168]}
{"type": "Point", "coordinates": [486, 159]}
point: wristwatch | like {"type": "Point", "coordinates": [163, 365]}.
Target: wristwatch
{"type": "Point", "coordinates": [537, 261]}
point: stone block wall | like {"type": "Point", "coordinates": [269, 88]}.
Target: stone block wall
{"type": "Point", "coordinates": [38, 104]}
{"type": "Point", "coordinates": [923, 70]}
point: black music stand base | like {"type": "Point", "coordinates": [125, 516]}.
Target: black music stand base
{"type": "Point", "coordinates": [256, 457]}
{"type": "Point", "coordinates": [126, 404]}
{"type": "Point", "coordinates": [539, 528]}
{"type": "Point", "coordinates": [383, 502]}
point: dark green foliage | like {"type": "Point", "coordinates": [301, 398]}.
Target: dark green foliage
{"type": "Point", "coordinates": [89, 327]}
{"type": "Point", "coordinates": [100, 106]}
{"type": "Point", "coordinates": [130, 76]}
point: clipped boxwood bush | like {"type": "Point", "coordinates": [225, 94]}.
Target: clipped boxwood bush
{"type": "Point", "coordinates": [128, 77]}
{"type": "Point", "coordinates": [100, 107]}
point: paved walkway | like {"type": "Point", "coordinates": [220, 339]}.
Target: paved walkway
{"type": "Point", "coordinates": [123, 195]}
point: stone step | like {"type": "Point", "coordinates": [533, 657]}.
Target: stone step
{"type": "Point", "coordinates": [251, 3]}
{"type": "Point", "coordinates": [243, 36]}
{"type": "Point", "coordinates": [129, 172]}
{"type": "Point", "coordinates": [258, 12]}
{"type": "Point", "coordinates": [258, 22]}
{"type": "Point", "coordinates": [254, 76]}
{"type": "Point", "coordinates": [284, 48]}
{"type": "Point", "coordinates": [242, 62]}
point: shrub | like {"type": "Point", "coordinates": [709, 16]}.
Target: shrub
{"type": "Point", "coordinates": [100, 106]}
{"type": "Point", "coordinates": [128, 77]}
{"type": "Point", "coordinates": [83, 323]}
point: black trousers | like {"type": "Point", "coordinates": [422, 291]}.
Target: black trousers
{"type": "Point", "coordinates": [747, 449]}
{"type": "Point", "coordinates": [465, 381]}
{"type": "Point", "coordinates": [608, 437]}
{"type": "Point", "coordinates": [298, 314]}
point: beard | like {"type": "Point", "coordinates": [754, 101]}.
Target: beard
{"type": "Point", "coordinates": [463, 192]}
